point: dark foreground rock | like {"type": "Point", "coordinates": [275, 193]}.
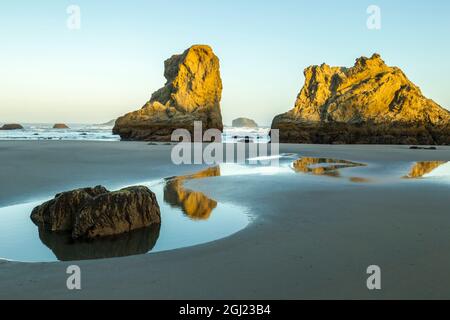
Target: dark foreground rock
{"type": "Point", "coordinates": [12, 126]}
{"type": "Point", "coordinates": [369, 103]}
{"type": "Point", "coordinates": [96, 212]}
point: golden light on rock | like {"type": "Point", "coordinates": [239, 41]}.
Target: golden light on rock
{"type": "Point", "coordinates": [422, 168]}
{"type": "Point", "coordinates": [196, 205]}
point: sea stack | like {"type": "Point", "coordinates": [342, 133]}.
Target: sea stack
{"type": "Point", "coordinates": [369, 103]}
{"type": "Point", "coordinates": [192, 93]}
{"type": "Point", "coordinates": [244, 123]}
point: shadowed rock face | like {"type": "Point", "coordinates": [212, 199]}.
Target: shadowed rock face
{"type": "Point", "coordinates": [95, 212]}
{"type": "Point", "coordinates": [244, 123]}
{"type": "Point", "coordinates": [196, 205]}
{"type": "Point", "coordinates": [368, 103]}
{"type": "Point", "coordinates": [192, 93]}
{"type": "Point", "coordinates": [11, 126]}
{"type": "Point", "coordinates": [422, 168]}
{"type": "Point", "coordinates": [65, 248]}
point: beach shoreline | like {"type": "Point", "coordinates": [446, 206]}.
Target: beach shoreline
{"type": "Point", "coordinates": [297, 247]}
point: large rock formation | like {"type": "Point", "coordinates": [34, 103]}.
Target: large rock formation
{"type": "Point", "coordinates": [368, 103]}
{"type": "Point", "coordinates": [192, 93]}
{"type": "Point", "coordinates": [95, 212]}
{"type": "Point", "coordinates": [11, 126]}
{"type": "Point", "coordinates": [244, 123]}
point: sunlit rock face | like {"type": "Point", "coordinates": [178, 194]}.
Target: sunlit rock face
{"type": "Point", "coordinates": [323, 166]}
{"type": "Point", "coordinates": [192, 93]}
{"type": "Point", "coordinates": [244, 123]}
{"type": "Point", "coordinates": [196, 205]}
{"type": "Point", "coordinates": [423, 168]}
{"type": "Point", "coordinates": [367, 103]}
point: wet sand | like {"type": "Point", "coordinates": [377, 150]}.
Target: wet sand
{"type": "Point", "coordinates": [311, 236]}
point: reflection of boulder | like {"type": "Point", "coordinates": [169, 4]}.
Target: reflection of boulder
{"type": "Point", "coordinates": [194, 204]}
{"type": "Point", "coordinates": [422, 168]}
{"type": "Point", "coordinates": [96, 212]}
{"type": "Point", "coordinates": [323, 166]}
{"type": "Point", "coordinates": [139, 241]}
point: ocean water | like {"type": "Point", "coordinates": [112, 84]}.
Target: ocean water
{"type": "Point", "coordinates": [42, 131]}
{"type": "Point", "coordinates": [93, 132]}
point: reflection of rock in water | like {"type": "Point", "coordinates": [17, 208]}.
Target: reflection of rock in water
{"type": "Point", "coordinates": [323, 166]}
{"type": "Point", "coordinates": [422, 168]}
{"type": "Point", "coordinates": [195, 205]}
{"type": "Point", "coordinates": [66, 249]}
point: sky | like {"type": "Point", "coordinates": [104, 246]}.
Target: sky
{"type": "Point", "coordinates": [112, 64]}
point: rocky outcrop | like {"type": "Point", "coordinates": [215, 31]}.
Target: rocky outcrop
{"type": "Point", "coordinates": [192, 93]}
{"type": "Point", "coordinates": [11, 126]}
{"type": "Point", "coordinates": [323, 166]}
{"type": "Point", "coordinates": [96, 212]}
{"type": "Point", "coordinates": [368, 103]}
{"type": "Point", "coordinates": [60, 126]}
{"type": "Point", "coordinates": [244, 123]}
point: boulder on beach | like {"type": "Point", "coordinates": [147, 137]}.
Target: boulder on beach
{"type": "Point", "coordinates": [11, 126]}
{"type": "Point", "coordinates": [244, 123]}
{"type": "Point", "coordinates": [60, 126]}
{"type": "Point", "coordinates": [192, 93]}
{"type": "Point", "coordinates": [369, 103]}
{"type": "Point", "coordinates": [96, 212]}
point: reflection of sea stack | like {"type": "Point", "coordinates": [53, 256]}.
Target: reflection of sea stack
{"type": "Point", "coordinates": [422, 168]}
{"type": "Point", "coordinates": [195, 205]}
{"type": "Point", "coordinates": [12, 126]}
{"type": "Point", "coordinates": [192, 93]}
{"type": "Point", "coordinates": [60, 126]}
{"type": "Point", "coordinates": [244, 123]}
{"type": "Point", "coordinates": [323, 166]}
{"type": "Point", "coordinates": [368, 103]}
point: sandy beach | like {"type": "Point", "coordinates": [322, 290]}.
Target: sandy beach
{"type": "Point", "coordinates": [310, 237]}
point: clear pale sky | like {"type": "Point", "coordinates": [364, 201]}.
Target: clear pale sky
{"type": "Point", "coordinates": [115, 61]}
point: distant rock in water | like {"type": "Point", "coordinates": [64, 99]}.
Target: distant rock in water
{"type": "Point", "coordinates": [96, 212]}
{"type": "Point", "coordinates": [369, 103]}
{"type": "Point", "coordinates": [109, 123]}
{"type": "Point", "coordinates": [11, 126]}
{"type": "Point", "coordinates": [244, 123]}
{"type": "Point", "coordinates": [192, 93]}
{"type": "Point", "coordinates": [60, 126]}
